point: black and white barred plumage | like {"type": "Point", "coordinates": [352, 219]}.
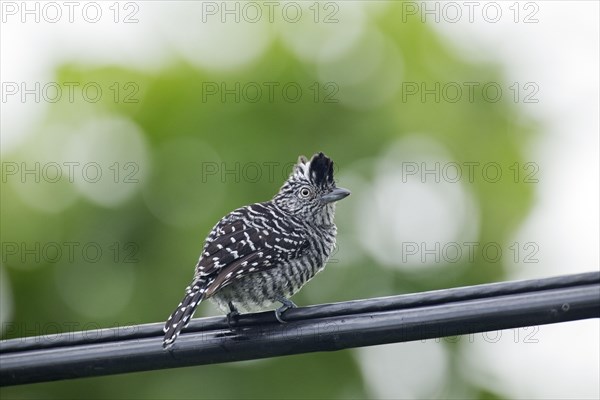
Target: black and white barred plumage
{"type": "Point", "coordinates": [265, 252]}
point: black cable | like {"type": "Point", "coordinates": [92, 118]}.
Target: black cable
{"type": "Point", "coordinates": [318, 328]}
{"type": "Point", "coordinates": [304, 313]}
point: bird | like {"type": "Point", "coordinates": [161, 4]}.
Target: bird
{"type": "Point", "coordinates": [262, 254]}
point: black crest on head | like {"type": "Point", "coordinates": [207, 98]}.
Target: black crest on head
{"type": "Point", "coordinates": [321, 170]}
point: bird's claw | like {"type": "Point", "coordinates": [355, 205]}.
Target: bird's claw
{"type": "Point", "coordinates": [232, 316]}
{"type": "Point", "coordinates": [287, 304]}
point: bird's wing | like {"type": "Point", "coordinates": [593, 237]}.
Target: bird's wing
{"type": "Point", "coordinates": [235, 249]}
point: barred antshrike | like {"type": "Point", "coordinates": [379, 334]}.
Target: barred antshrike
{"type": "Point", "coordinates": [265, 252]}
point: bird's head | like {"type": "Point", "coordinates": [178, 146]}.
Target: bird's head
{"type": "Point", "coordinates": [310, 191]}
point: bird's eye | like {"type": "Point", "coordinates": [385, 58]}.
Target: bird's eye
{"type": "Point", "coordinates": [305, 192]}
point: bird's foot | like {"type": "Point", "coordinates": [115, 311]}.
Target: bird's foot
{"type": "Point", "coordinates": [232, 316]}
{"type": "Point", "coordinates": [287, 304]}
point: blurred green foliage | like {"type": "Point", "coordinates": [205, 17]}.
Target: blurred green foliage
{"type": "Point", "coordinates": [176, 203]}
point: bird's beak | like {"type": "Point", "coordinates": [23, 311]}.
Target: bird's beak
{"type": "Point", "coordinates": [335, 195]}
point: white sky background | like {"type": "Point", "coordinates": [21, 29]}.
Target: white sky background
{"type": "Point", "coordinates": [559, 53]}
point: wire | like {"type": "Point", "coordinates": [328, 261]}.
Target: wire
{"type": "Point", "coordinates": [326, 327]}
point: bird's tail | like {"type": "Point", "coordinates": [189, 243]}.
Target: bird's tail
{"type": "Point", "coordinates": [180, 318]}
